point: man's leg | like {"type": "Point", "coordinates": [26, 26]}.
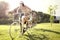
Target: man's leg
{"type": "Point", "coordinates": [22, 28]}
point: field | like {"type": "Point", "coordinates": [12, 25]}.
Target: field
{"type": "Point", "coordinates": [42, 31]}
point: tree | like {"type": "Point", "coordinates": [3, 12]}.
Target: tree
{"type": "Point", "coordinates": [3, 9]}
{"type": "Point", "coordinates": [52, 12]}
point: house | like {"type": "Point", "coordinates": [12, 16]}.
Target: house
{"type": "Point", "coordinates": [57, 19]}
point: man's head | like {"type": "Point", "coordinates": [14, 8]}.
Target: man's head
{"type": "Point", "coordinates": [21, 3]}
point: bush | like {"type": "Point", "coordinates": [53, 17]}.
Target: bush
{"type": "Point", "coordinates": [5, 21]}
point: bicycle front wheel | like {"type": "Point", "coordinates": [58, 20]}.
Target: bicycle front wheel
{"type": "Point", "coordinates": [14, 30]}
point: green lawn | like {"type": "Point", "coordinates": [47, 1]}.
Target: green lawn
{"type": "Point", "coordinates": [41, 31]}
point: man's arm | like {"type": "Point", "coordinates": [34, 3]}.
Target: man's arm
{"type": "Point", "coordinates": [28, 8]}
{"type": "Point", "coordinates": [17, 10]}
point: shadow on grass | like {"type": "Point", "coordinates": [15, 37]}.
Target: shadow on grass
{"type": "Point", "coordinates": [40, 36]}
{"type": "Point", "coordinates": [36, 37]}
{"type": "Point", "coordinates": [46, 30]}
{"type": "Point", "coordinates": [1, 34]}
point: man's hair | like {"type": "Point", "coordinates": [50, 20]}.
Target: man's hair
{"type": "Point", "coordinates": [22, 3]}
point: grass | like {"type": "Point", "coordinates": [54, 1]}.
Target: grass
{"type": "Point", "coordinates": [42, 31]}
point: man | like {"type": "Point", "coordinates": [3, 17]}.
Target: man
{"type": "Point", "coordinates": [25, 13]}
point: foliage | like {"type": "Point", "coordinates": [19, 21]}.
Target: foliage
{"type": "Point", "coordinates": [43, 17]}
{"type": "Point", "coordinates": [5, 21]}
{"type": "Point", "coordinates": [52, 12]}
{"type": "Point", "coordinates": [3, 9]}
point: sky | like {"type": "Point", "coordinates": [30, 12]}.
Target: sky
{"type": "Point", "coordinates": [37, 5]}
